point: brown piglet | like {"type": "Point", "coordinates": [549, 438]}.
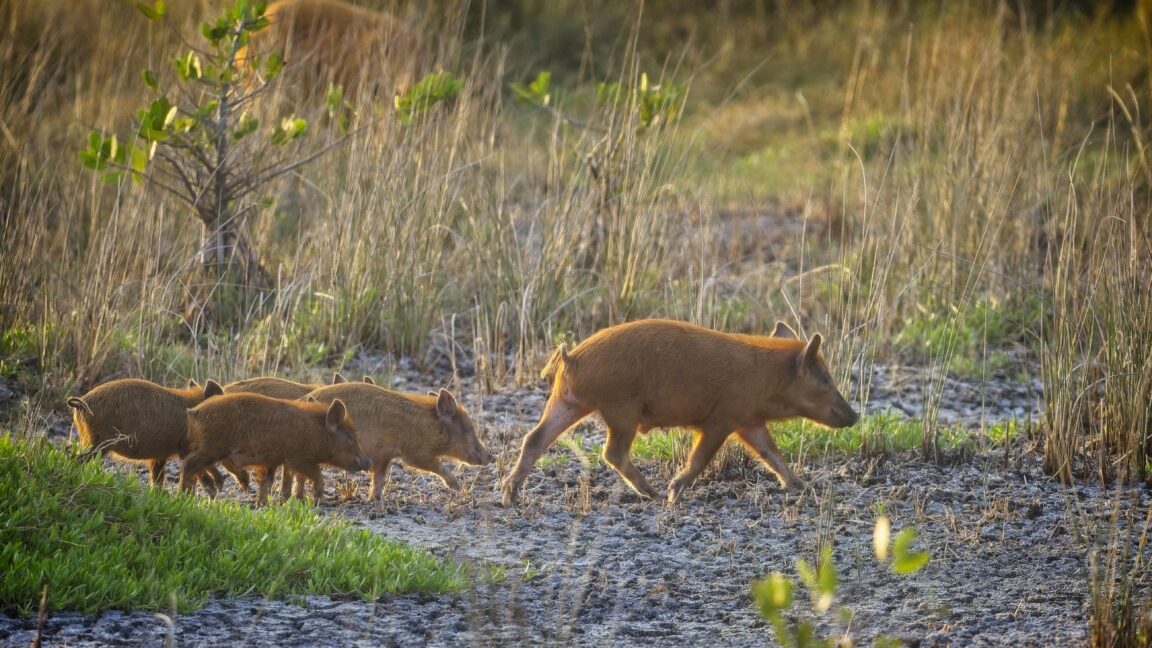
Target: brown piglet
{"type": "Point", "coordinates": [420, 430]}
{"type": "Point", "coordinates": [662, 373]}
{"type": "Point", "coordinates": [255, 430]}
{"type": "Point", "coordinates": [275, 387]}
{"type": "Point", "coordinates": [140, 421]}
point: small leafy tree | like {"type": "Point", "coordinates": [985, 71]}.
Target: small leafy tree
{"type": "Point", "coordinates": [213, 152]}
{"type": "Point", "coordinates": [774, 594]}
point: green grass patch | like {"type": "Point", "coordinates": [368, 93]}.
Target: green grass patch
{"type": "Point", "coordinates": [663, 445]}
{"type": "Point", "coordinates": [972, 339]}
{"type": "Point", "coordinates": [657, 445]}
{"type": "Point", "coordinates": [885, 432]}
{"type": "Point", "coordinates": [574, 446]}
{"type": "Point", "coordinates": [98, 541]}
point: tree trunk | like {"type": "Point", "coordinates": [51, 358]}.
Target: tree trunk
{"type": "Point", "coordinates": [232, 283]}
{"type": "Point", "coordinates": [226, 256]}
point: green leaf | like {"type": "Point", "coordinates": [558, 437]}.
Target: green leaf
{"type": "Point", "coordinates": [274, 65]}
{"type": "Point", "coordinates": [536, 92]}
{"type": "Point", "coordinates": [828, 576]}
{"type": "Point", "coordinates": [904, 559]}
{"type": "Point", "coordinates": [95, 157]}
{"type": "Point", "coordinates": [773, 594]}
{"type": "Point", "coordinates": [149, 79]}
{"type": "Point", "coordinates": [806, 635]}
{"type": "Point", "coordinates": [828, 580]}
{"type": "Point", "coordinates": [429, 91]}
{"type": "Point", "coordinates": [189, 67]}
{"type": "Point", "coordinates": [335, 98]}
{"type": "Point", "coordinates": [289, 129]}
{"type": "Point", "coordinates": [807, 574]}
{"type": "Point", "coordinates": [247, 124]}
{"type": "Point", "coordinates": [215, 32]}
{"type": "Point", "coordinates": [184, 124]}
{"type": "Point", "coordinates": [139, 158]}
{"type": "Point", "coordinates": [155, 12]}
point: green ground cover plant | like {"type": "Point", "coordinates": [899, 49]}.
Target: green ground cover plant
{"type": "Point", "coordinates": [98, 540]}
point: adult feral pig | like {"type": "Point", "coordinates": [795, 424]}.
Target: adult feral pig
{"type": "Point", "coordinates": [417, 429]}
{"type": "Point", "coordinates": [255, 430]}
{"type": "Point", "coordinates": [141, 421]}
{"type": "Point", "coordinates": [327, 42]}
{"type": "Point", "coordinates": [660, 373]}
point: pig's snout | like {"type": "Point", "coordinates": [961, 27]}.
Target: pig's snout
{"type": "Point", "coordinates": [486, 457]}
{"type": "Point", "coordinates": [362, 463]}
{"type": "Point", "coordinates": [844, 416]}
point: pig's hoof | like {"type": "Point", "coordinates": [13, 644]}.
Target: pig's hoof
{"type": "Point", "coordinates": [510, 495]}
{"type": "Point", "coordinates": [646, 494]}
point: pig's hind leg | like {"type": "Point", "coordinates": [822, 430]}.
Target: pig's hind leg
{"type": "Point", "coordinates": [380, 467]}
{"type": "Point", "coordinates": [759, 441]}
{"type": "Point", "coordinates": [286, 481]}
{"type": "Point", "coordinates": [708, 442]}
{"type": "Point", "coordinates": [559, 414]}
{"type": "Point", "coordinates": [621, 432]}
{"type": "Point", "coordinates": [266, 475]}
{"type": "Point", "coordinates": [156, 471]}
{"type": "Point", "coordinates": [237, 472]}
{"type": "Point", "coordinates": [306, 472]}
{"type": "Point", "coordinates": [211, 480]}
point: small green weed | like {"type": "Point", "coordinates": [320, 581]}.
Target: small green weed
{"type": "Point", "coordinates": [774, 595]}
{"type": "Point", "coordinates": [577, 446]}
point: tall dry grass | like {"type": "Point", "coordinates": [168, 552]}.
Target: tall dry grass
{"type": "Point", "coordinates": [895, 175]}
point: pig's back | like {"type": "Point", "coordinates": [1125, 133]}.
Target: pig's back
{"type": "Point", "coordinates": [661, 365]}
{"type": "Point", "coordinates": [371, 406]}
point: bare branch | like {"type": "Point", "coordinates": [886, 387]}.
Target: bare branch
{"type": "Point", "coordinates": [271, 172]}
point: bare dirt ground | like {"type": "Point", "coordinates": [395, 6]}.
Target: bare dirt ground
{"type": "Point", "coordinates": [586, 562]}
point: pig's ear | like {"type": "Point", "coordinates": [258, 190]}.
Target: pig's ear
{"type": "Point", "coordinates": [336, 414]}
{"type": "Point", "coordinates": [338, 378]}
{"type": "Point", "coordinates": [782, 330]}
{"type": "Point", "coordinates": [79, 404]}
{"type": "Point", "coordinates": [212, 388]}
{"type": "Point", "coordinates": [811, 352]}
{"type": "Point", "coordinates": [369, 380]}
{"type": "Point", "coordinates": [445, 404]}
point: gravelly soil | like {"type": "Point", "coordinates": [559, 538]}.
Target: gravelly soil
{"type": "Point", "coordinates": [587, 562]}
